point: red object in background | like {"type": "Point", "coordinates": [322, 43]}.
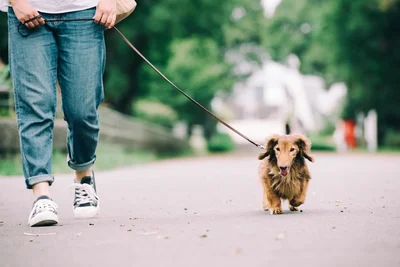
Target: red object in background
{"type": "Point", "coordinates": [350, 133]}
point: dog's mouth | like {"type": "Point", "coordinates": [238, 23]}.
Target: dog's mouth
{"type": "Point", "coordinates": [284, 171]}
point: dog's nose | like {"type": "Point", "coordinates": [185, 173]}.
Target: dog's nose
{"type": "Point", "coordinates": [283, 168]}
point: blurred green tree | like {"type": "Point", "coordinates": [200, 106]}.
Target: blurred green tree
{"type": "Point", "coordinates": [197, 64]}
{"type": "Point", "coordinates": [185, 39]}
{"type": "Point", "coordinates": [152, 27]}
{"type": "Point", "coordinates": [298, 27]}
{"type": "Point", "coordinates": [367, 40]}
{"type": "Point", "coordinates": [3, 37]}
{"type": "Point", "coordinates": [352, 41]}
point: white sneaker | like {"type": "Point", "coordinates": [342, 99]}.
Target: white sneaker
{"type": "Point", "coordinates": [44, 212]}
{"type": "Point", "coordinates": [86, 202]}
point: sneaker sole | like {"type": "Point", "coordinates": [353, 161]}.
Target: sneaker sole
{"type": "Point", "coordinates": [44, 219]}
{"type": "Point", "coordinates": [86, 212]}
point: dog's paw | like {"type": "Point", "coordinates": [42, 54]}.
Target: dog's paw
{"type": "Point", "coordinates": [292, 208]}
{"type": "Point", "coordinates": [295, 202]}
{"type": "Point", "coordinates": [275, 211]}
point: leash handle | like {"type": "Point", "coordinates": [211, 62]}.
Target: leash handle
{"type": "Point", "coordinates": [46, 20]}
{"type": "Point", "coordinates": [185, 94]}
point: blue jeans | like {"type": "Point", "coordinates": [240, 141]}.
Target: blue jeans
{"type": "Point", "coordinates": [72, 53]}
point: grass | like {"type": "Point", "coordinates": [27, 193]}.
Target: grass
{"type": "Point", "coordinates": [325, 143]}
{"type": "Point", "coordinates": [108, 157]}
{"type": "Point", "coordinates": [322, 143]}
{"type": "Point", "coordinates": [10, 166]}
{"type": "Point", "coordinates": [381, 149]}
{"type": "Point", "coordinates": [111, 156]}
{"type": "Point", "coordinates": [389, 149]}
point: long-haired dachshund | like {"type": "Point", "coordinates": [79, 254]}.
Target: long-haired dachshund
{"type": "Point", "coordinates": [283, 171]}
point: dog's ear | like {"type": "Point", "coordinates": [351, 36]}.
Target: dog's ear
{"type": "Point", "coordinates": [269, 147]}
{"type": "Point", "coordinates": [304, 145]}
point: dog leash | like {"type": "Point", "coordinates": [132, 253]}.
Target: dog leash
{"type": "Point", "coordinates": [182, 92]}
{"type": "Point", "coordinates": [159, 73]}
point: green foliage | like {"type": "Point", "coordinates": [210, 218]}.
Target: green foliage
{"type": "Point", "coordinates": [187, 40]}
{"type": "Point", "coordinates": [368, 41]}
{"type": "Point", "coordinates": [152, 28]}
{"type": "Point", "coordinates": [328, 128]}
{"type": "Point", "coordinates": [298, 28]}
{"type": "Point", "coordinates": [3, 37]}
{"type": "Point", "coordinates": [220, 142]}
{"type": "Point", "coordinates": [322, 142]}
{"type": "Point", "coordinates": [196, 66]}
{"type": "Point", "coordinates": [392, 139]}
{"type": "Point", "coordinates": [352, 41]}
{"type": "Point", "coordinates": [109, 156]}
{"type": "Point", "coordinates": [5, 89]}
{"type": "Point", "coordinates": [5, 75]}
{"type": "Point", "coordinates": [323, 147]}
{"type": "Point", "coordinates": [154, 112]}
{"type": "Point", "coordinates": [247, 23]}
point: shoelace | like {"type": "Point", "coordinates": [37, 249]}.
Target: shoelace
{"type": "Point", "coordinates": [84, 194]}
{"type": "Point", "coordinates": [43, 205]}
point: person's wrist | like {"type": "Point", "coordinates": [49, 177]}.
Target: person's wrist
{"type": "Point", "coordinates": [13, 2]}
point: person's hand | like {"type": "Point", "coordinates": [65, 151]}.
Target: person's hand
{"type": "Point", "coordinates": [24, 12]}
{"type": "Point", "coordinates": [106, 13]}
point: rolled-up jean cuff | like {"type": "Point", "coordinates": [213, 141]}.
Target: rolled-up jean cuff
{"type": "Point", "coordinates": [82, 166]}
{"type": "Point", "coordinates": [31, 181]}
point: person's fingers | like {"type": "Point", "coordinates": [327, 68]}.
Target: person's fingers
{"type": "Point", "coordinates": [33, 21]}
{"type": "Point", "coordinates": [113, 20]}
{"type": "Point", "coordinates": [37, 16]}
{"type": "Point", "coordinates": [105, 13]}
{"type": "Point", "coordinates": [30, 25]}
{"type": "Point", "coordinates": [104, 18]}
{"type": "Point", "coordinates": [41, 21]}
{"type": "Point", "coordinates": [36, 23]}
{"type": "Point", "coordinates": [97, 16]}
{"type": "Point", "coordinates": [109, 21]}
{"type": "Point", "coordinates": [27, 21]}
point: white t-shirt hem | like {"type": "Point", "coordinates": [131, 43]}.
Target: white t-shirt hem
{"type": "Point", "coordinates": [74, 5]}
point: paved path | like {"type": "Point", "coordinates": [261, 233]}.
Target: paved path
{"type": "Point", "coordinates": [207, 212]}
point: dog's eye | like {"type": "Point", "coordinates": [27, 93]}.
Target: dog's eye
{"type": "Point", "coordinates": [278, 149]}
{"type": "Point", "coordinates": [292, 149]}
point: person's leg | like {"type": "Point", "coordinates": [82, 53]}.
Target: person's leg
{"type": "Point", "coordinates": [81, 67]}
{"type": "Point", "coordinates": [33, 64]}
{"type": "Point", "coordinates": [41, 189]}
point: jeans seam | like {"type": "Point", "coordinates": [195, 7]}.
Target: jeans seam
{"type": "Point", "coordinates": [17, 112]}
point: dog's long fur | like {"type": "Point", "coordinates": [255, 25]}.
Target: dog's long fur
{"type": "Point", "coordinates": [283, 171]}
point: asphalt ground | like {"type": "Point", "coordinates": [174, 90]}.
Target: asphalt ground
{"type": "Point", "coordinates": [207, 211]}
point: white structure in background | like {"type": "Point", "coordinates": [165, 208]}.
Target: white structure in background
{"type": "Point", "coordinates": [339, 137]}
{"type": "Point", "coordinates": [197, 140]}
{"type": "Point", "coordinates": [270, 6]}
{"type": "Point", "coordinates": [371, 130]}
{"type": "Point", "coordinates": [180, 130]}
{"type": "Point", "coordinates": [274, 95]}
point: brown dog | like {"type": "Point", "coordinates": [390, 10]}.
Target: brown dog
{"type": "Point", "coordinates": [283, 171]}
